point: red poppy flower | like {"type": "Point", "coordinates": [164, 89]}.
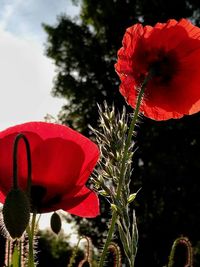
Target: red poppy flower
{"type": "Point", "coordinates": [62, 160]}
{"type": "Point", "coordinates": [171, 51]}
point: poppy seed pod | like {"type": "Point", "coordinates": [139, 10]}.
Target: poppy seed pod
{"type": "Point", "coordinates": [56, 223]}
{"type": "Point", "coordinates": [16, 212]}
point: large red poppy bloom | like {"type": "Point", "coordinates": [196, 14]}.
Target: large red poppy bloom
{"type": "Point", "coordinates": [171, 52]}
{"type": "Point", "coordinates": [62, 160]}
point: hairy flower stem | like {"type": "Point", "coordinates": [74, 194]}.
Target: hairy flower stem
{"type": "Point", "coordinates": [31, 230]}
{"type": "Point", "coordinates": [189, 259]}
{"type": "Point", "coordinates": [15, 167]}
{"type": "Point", "coordinates": [123, 166]}
{"type": "Point", "coordinates": [8, 252]}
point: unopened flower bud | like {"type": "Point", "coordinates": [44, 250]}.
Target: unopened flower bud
{"type": "Point", "coordinates": [56, 223]}
{"type": "Point", "coordinates": [16, 212]}
{"type": "Point", "coordinates": [132, 197]}
{"type": "Point", "coordinates": [114, 207]}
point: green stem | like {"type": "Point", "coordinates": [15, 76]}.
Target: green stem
{"type": "Point", "coordinates": [123, 167]}
{"type": "Point", "coordinates": [8, 252]}
{"type": "Point", "coordinates": [108, 239]}
{"type": "Point", "coordinates": [31, 231]}
{"type": "Point", "coordinates": [74, 253]}
{"type": "Point", "coordinates": [28, 154]}
{"type": "Point", "coordinates": [20, 253]}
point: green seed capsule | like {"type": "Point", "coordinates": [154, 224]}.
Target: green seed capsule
{"type": "Point", "coordinates": [16, 212]}
{"type": "Point", "coordinates": [56, 223]}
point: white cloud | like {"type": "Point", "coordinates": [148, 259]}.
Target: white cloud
{"type": "Point", "coordinates": [25, 81]}
{"type": "Point", "coordinates": [24, 18]}
{"type": "Point", "coordinates": [25, 73]}
{"type": "Point", "coordinates": [7, 10]}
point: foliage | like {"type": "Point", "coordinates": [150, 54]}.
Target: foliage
{"type": "Point", "coordinates": [55, 251]}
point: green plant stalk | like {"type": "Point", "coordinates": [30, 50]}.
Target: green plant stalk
{"type": "Point", "coordinates": [122, 172]}
{"type": "Point", "coordinates": [8, 255]}
{"type": "Point", "coordinates": [74, 252]}
{"type": "Point", "coordinates": [16, 261]}
{"type": "Point", "coordinates": [20, 253]}
{"type": "Point", "coordinates": [30, 230]}
{"type": "Point", "coordinates": [15, 167]}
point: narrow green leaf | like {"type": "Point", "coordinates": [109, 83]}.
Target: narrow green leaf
{"type": "Point", "coordinates": [134, 235]}
{"type": "Point", "coordinates": [123, 239]}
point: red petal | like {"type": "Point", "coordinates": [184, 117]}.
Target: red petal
{"type": "Point", "coordinates": [132, 35]}
{"type": "Point", "coordinates": [2, 197]}
{"type": "Point", "coordinates": [62, 165]}
{"type": "Point", "coordinates": [57, 164]}
{"type": "Point", "coordinates": [83, 204]}
{"type": "Point", "coordinates": [128, 89]}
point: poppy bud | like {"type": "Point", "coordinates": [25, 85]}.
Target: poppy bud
{"type": "Point", "coordinates": [16, 212]}
{"type": "Point", "coordinates": [55, 223]}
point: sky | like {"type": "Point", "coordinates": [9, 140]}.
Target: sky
{"type": "Point", "coordinates": [26, 74]}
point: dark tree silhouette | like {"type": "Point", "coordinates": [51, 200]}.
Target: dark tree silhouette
{"type": "Point", "coordinates": [167, 163]}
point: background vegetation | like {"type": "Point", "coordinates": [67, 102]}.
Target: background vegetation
{"type": "Point", "coordinates": [167, 163]}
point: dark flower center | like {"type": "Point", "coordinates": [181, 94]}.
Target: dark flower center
{"type": "Point", "coordinates": [37, 195]}
{"type": "Point", "coordinates": [164, 67]}
{"type": "Point", "coordinates": [38, 201]}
